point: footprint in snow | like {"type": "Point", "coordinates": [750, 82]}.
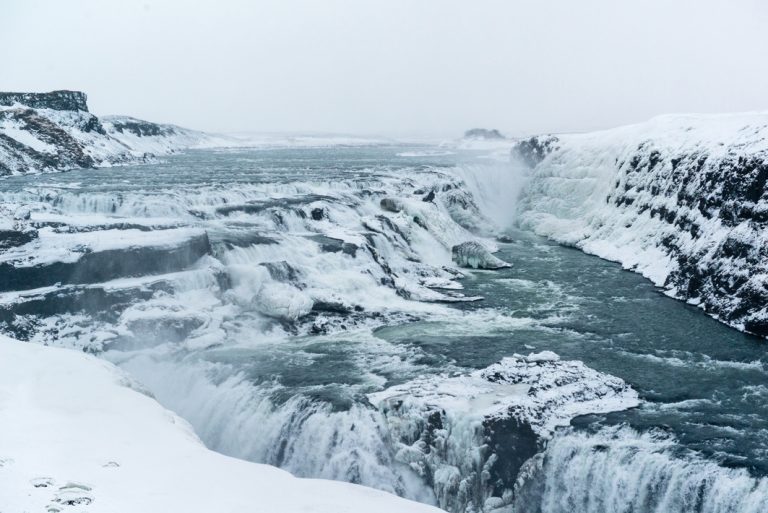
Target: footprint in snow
{"type": "Point", "coordinates": [41, 482]}
{"type": "Point", "coordinates": [74, 494]}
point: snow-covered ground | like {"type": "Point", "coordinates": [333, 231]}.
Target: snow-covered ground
{"type": "Point", "coordinates": [76, 431]}
{"type": "Point", "coordinates": [681, 199]}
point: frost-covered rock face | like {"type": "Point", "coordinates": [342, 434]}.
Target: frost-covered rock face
{"type": "Point", "coordinates": [37, 140]}
{"type": "Point", "coordinates": [532, 151]}
{"type": "Point", "coordinates": [474, 255]}
{"type": "Point", "coordinates": [470, 436]}
{"type": "Point", "coordinates": [681, 199]}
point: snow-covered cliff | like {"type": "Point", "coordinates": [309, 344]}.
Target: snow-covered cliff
{"type": "Point", "coordinates": [680, 199]}
{"type": "Point", "coordinates": [47, 132]}
{"type": "Point", "coordinates": [47, 139]}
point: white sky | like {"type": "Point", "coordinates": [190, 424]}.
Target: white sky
{"type": "Point", "coordinates": [391, 67]}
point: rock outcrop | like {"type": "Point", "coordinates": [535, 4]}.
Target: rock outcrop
{"type": "Point", "coordinates": [474, 255]}
{"type": "Point", "coordinates": [49, 132]}
{"type": "Point", "coordinates": [470, 436]}
{"type": "Point", "coordinates": [56, 100]}
{"type": "Point", "coordinates": [483, 133]}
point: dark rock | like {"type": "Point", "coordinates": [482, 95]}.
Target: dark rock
{"type": "Point", "coordinates": [14, 238]}
{"type": "Point", "coordinates": [391, 205]}
{"type": "Point", "coordinates": [56, 100]}
{"type": "Point", "coordinates": [483, 133]}
{"type": "Point", "coordinates": [284, 272]}
{"type": "Point", "coordinates": [535, 149]}
{"type": "Point", "coordinates": [332, 245]}
{"type": "Point", "coordinates": [318, 214]}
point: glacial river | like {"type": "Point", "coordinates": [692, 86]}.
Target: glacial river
{"type": "Point", "coordinates": [269, 342]}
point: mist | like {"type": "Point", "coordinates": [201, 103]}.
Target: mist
{"type": "Point", "coordinates": [391, 68]}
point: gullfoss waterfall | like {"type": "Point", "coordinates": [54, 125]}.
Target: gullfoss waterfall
{"type": "Point", "coordinates": [304, 307]}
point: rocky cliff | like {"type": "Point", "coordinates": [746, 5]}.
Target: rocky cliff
{"type": "Point", "coordinates": [681, 199]}
{"type": "Point", "coordinates": [48, 132]}
{"type": "Point", "coordinates": [56, 100]}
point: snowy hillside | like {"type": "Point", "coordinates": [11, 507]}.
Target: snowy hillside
{"type": "Point", "coordinates": [48, 132]}
{"type": "Point", "coordinates": [75, 431]}
{"type": "Point", "coordinates": [159, 139]}
{"type": "Point", "coordinates": [46, 140]}
{"type": "Point", "coordinates": [680, 199]}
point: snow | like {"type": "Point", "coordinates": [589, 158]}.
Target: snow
{"type": "Point", "coordinates": [75, 430]}
{"type": "Point", "coordinates": [26, 138]}
{"type": "Point", "coordinates": [277, 140]}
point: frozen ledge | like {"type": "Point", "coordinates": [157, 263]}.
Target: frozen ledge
{"type": "Point", "coordinates": [469, 436]}
{"type": "Point", "coordinates": [74, 430]}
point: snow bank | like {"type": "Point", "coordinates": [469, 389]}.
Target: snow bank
{"type": "Point", "coordinates": [74, 430]}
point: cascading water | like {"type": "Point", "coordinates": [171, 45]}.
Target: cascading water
{"type": "Point", "coordinates": [311, 293]}
{"type": "Point", "coordinates": [623, 471]}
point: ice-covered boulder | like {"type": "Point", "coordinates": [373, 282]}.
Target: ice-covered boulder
{"type": "Point", "coordinates": [473, 254]}
{"type": "Point", "coordinates": [469, 436]}
{"type": "Point", "coordinates": [535, 149]}
{"type": "Point", "coordinates": [391, 205]}
{"type": "Point", "coordinates": [282, 301]}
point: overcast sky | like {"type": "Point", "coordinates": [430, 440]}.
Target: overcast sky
{"type": "Point", "coordinates": [391, 67]}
